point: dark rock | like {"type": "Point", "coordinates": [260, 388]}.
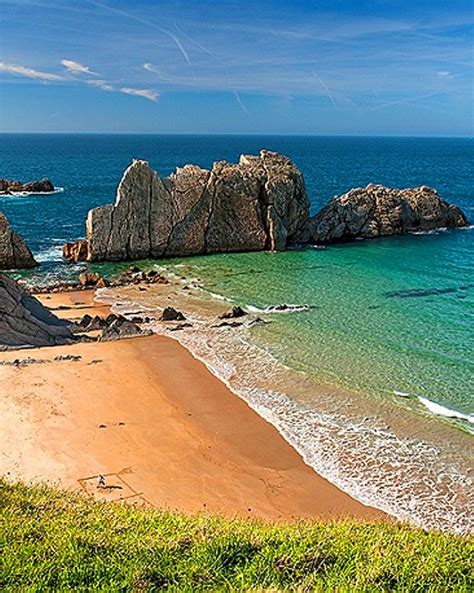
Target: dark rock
{"type": "Point", "coordinates": [233, 313]}
{"type": "Point", "coordinates": [24, 321]}
{"type": "Point", "coordinates": [121, 328]}
{"type": "Point", "coordinates": [11, 186]}
{"type": "Point", "coordinates": [14, 254]}
{"type": "Point", "coordinates": [229, 324]}
{"type": "Point", "coordinates": [180, 326]}
{"type": "Point", "coordinates": [171, 314]}
{"type": "Point", "coordinates": [377, 211]}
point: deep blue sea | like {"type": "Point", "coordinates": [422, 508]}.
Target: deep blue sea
{"type": "Point", "coordinates": [391, 320]}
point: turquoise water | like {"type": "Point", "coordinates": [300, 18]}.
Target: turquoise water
{"type": "Point", "coordinates": [391, 319]}
{"type": "Point", "coordinates": [385, 316]}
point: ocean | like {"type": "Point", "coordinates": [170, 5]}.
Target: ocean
{"type": "Point", "coordinates": [370, 372]}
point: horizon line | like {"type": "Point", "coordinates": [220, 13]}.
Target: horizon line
{"type": "Point", "coordinates": [237, 134]}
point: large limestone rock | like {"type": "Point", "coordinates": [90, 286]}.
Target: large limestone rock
{"type": "Point", "coordinates": [13, 251]}
{"type": "Point", "coordinates": [377, 211]}
{"type": "Point", "coordinates": [24, 321]}
{"type": "Point", "coordinates": [259, 203]}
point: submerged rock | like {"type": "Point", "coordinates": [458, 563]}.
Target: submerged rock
{"type": "Point", "coordinates": [233, 312]}
{"type": "Point", "coordinates": [12, 186]}
{"type": "Point", "coordinates": [259, 203]}
{"type": "Point", "coordinates": [24, 321]}
{"type": "Point", "coordinates": [376, 211]}
{"type": "Point", "coordinates": [14, 253]}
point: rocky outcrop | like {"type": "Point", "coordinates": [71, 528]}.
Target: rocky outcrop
{"type": "Point", "coordinates": [77, 251]}
{"type": "Point", "coordinates": [377, 211]}
{"type": "Point", "coordinates": [24, 321]}
{"type": "Point", "coordinates": [12, 186]}
{"type": "Point", "coordinates": [13, 251]}
{"type": "Point", "coordinates": [259, 203]}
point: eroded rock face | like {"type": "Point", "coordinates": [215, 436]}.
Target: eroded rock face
{"type": "Point", "coordinates": [14, 253]}
{"type": "Point", "coordinates": [77, 251]}
{"type": "Point", "coordinates": [259, 203]}
{"type": "Point", "coordinates": [377, 211]}
{"type": "Point", "coordinates": [12, 186]}
{"type": "Point", "coordinates": [24, 321]}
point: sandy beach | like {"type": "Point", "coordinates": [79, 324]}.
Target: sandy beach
{"type": "Point", "coordinates": [157, 424]}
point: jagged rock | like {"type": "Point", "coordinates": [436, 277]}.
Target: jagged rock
{"type": "Point", "coordinates": [77, 251]}
{"type": "Point", "coordinates": [259, 203]}
{"type": "Point", "coordinates": [136, 276]}
{"type": "Point", "coordinates": [24, 321]}
{"type": "Point", "coordinates": [11, 186]}
{"type": "Point", "coordinates": [233, 313]}
{"type": "Point", "coordinates": [88, 323]}
{"type": "Point", "coordinates": [89, 279]}
{"type": "Point", "coordinates": [14, 253]}
{"type": "Point", "coordinates": [121, 328]}
{"type": "Point", "coordinates": [377, 211]}
{"type": "Point", "coordinates": [171, 314]}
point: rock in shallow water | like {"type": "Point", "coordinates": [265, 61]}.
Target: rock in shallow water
{"type": "Point", "coordinates": [14, 253]}
{"type": "Point", "coordinates": [377, 211]}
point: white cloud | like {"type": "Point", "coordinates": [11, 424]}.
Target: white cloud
{"type": "Point", "coordinates": [444, 73]}
{"type": "Point", "coordinates": [145, 93]}
{"type": "Point", "coordinates": [101, 84]}
{"type": "Point", "coordinates": [76, 67]}
{"type": "Point", "coordinates": [28, 72]}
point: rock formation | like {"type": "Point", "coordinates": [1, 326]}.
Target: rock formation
{"type": "Point", "coordinates": [260, 203]}
{"type": "Point", "coordinates": [377, 211]}
{"type": "Point", "coordinates": [13, 251]}
{"type": "Point", "coordinates": [24, 321]}
{"type": "Point", "coordinates": [12, 186]}
{"type": "Point", "coordinates": [76, 251]}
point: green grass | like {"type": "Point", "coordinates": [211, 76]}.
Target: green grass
{"type": "Point", "coordinates": [56, 541]}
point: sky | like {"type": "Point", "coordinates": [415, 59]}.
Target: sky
{"type": "Point", "coordinates": [330, 67]}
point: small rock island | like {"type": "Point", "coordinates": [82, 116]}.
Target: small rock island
{"type": "Point", "coordinates": [13, 186]}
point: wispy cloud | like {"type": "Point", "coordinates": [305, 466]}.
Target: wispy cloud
{"type": "Point", "coordinates": [407, 100]}
{"type": "Point", "coordinates": [29, 72]}
{"type": "Point", "coordinates": [328, 92]}
{"type": "Point", "coordinates": [77, 68]}
{"type": "Point", "coordinates": [101, 84]}
{"type": "Point", "coordinates": [145, 93]}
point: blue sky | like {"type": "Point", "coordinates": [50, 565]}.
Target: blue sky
{"type": "Point", "coordinates": [266, 66]}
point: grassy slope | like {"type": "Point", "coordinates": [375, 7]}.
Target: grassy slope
{"type": "Point", "coordinates": [56, 541]}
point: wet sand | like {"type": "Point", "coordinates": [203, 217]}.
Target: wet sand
{"type": "Point", "coordinates": [157, 424]}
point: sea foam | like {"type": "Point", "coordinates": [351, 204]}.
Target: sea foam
{"type": "Point", "coordinates": [440, 410]}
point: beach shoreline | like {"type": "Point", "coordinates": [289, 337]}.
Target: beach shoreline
{"type": "Point", "coordinates": [161, 428]}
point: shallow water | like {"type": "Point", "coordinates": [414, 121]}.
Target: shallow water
{"type": "Point", "coordinates": [388, 324]}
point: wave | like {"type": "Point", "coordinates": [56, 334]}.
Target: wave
{"type": "Point", "coordinates": [22, 194]}
{"type": "Point", "coordinates": [440, 410]}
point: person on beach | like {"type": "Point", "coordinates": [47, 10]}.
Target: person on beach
{"type": "Point", "coordinates": [101, 481]}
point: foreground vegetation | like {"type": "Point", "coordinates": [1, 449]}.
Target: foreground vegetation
{"type": "Point", "coordinates": [56, 541]}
